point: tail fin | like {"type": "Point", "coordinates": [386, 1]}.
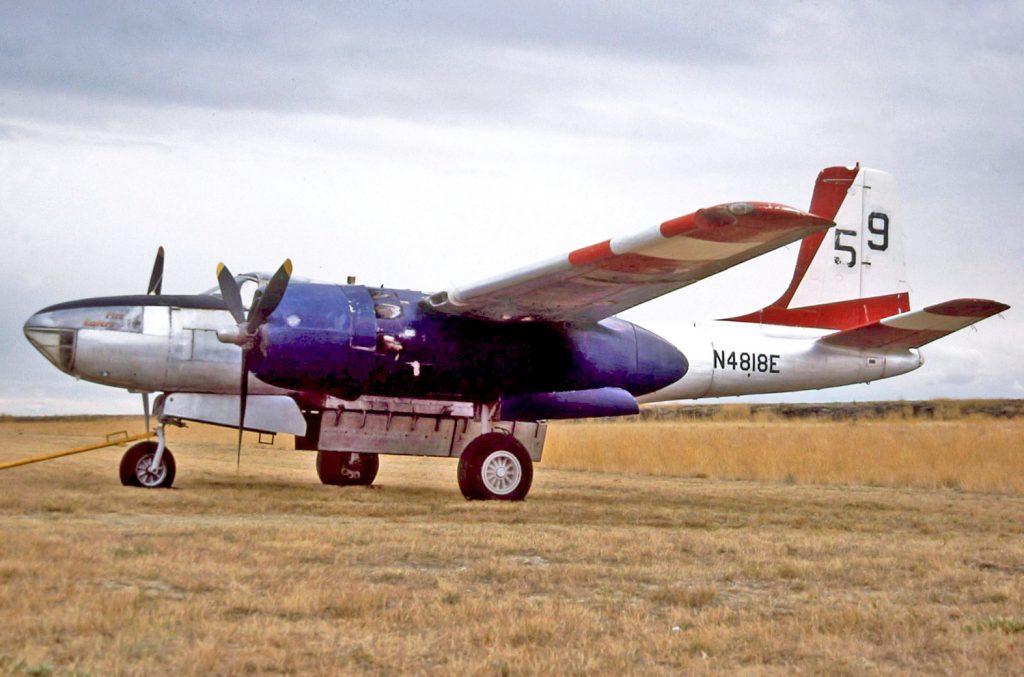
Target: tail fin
{"type": "Point", "coordinates": [853, 274]}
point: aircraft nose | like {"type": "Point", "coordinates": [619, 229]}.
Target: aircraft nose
{"type": "Point", "coordinates": [57, 343]}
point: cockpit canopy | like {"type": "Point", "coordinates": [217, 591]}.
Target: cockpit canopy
{"type": "Point", "coordinates": [248, 283]}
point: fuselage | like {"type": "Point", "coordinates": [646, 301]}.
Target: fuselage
{"type": "Point", "coordinates": [347, 341]}
{"type": "Point", "coordinates": [739, 358]}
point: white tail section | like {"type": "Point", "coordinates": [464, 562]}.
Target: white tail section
{"type": "Point", "coordinates": [854, 273]}
{"type": "Point", "coordinates": [862, 257]}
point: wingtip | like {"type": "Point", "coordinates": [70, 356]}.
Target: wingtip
{"type": "Point", "coordinates": [980, 308]}
{"type": "Point", "coordinates": [820, 221]}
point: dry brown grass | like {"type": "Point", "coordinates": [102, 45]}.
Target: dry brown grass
{"type": "Point", "coordinates": [901, 410]}
{"type": "Point", "coordinates": [973, 453]}
{"type": "Point", "coordinates": [595, 573]}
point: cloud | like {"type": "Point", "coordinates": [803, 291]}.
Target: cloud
{"type": "Point", "coordinates": [463, 60]}
{"type": "Point", "coordinates": [445, 59]}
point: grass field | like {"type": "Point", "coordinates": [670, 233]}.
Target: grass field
{"type": "Point", "coordinates": [270, 572]}
{"type": "Point", "coordinates": [977, 454]}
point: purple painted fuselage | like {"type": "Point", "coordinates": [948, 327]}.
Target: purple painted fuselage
{"type": "Point", "coordinates": [353, 340]}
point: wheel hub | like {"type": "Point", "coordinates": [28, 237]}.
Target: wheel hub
{"type": "Point", "coordinates": [501, 472]}
{"type": "Point", "coordinates": [147, 477]}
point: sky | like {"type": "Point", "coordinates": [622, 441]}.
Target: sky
{"type": "Point", "coordinates": [422, 145]}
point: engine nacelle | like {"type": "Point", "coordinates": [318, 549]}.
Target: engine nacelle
{"type": "Point", "coordinates": [321, 337]}
{"type": "Point", "coordinates": [349, 341]}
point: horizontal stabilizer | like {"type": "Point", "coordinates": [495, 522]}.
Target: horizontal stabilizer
{"type": "Point", "coordinates": [913, 330]}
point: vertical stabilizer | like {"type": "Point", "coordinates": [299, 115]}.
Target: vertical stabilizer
{"type": "Point", "coordinates": [854, 273]}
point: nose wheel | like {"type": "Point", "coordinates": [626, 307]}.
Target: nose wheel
{"type": "Point", "coordinates": [137, 468]}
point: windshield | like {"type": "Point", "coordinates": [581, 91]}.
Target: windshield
{"type": "Point", "coordinates": [248, 283]}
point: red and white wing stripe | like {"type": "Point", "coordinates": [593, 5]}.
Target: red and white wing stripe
{"type": "Point", "coordinates": [598, 281]}
{"type": "Point", "coordinates": [913, 330]}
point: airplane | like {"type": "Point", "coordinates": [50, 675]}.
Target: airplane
{"type": "Point", "coordinates": [476, 371]}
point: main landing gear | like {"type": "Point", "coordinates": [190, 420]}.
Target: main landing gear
{"type": "Point", "coordinates": [343, 468]}
{"type": "Point", "coordinates": [495, 467]}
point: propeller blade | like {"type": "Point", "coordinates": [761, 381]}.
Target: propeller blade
{"type": "Point", "coordinates": [244, 391]}
{"type": "Point", "coordinates": [264, 303]}
{"type": "Point", "coordinates": [145, 407]}
{"type": "Point", "coordinates": [230, 293]}
{"type": "Point", "coordinates": [156, 278]}
{"type": "Point", "coordinates": [267, 302]}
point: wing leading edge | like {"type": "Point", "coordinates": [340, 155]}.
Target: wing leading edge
{"type": "Point", "coordinates": [595, 282]}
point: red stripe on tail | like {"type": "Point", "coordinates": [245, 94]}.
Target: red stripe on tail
{"type": "Point", "coordinates": [838, 315]}
{"type": "Point", "coordinates": [829, 191]}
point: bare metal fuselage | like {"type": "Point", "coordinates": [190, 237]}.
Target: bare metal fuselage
{"type": "Point", "coordinates": [144, 348]}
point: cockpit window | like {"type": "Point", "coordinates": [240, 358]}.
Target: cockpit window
{"type": "Point", "coordinates": [247, 288]}
{"type": "Point", "coordinates": [248, 283]}
{"type": "Point", "coordinates": [57, 345]}
{"type": "Point", "coordinates": [378, 294]}
{"type": "Point", "coordinates": [387, 311]}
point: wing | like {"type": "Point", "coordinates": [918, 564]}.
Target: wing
{"type": "Point", "coordinates": [913, 330]}
{"type": "Point", "coordinates": [598, 281]}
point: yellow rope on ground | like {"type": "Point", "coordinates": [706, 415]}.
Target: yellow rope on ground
{"type": "Point", "coordinates": [112, 440]}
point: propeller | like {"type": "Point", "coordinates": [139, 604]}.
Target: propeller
{"type": "Point", "coordinates": [246, 332]}
{"type": "Point", "coordinates": [156, 279]}
{"type": "Point", "coordinates": [156, 283]}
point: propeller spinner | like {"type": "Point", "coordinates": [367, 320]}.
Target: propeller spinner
{"type": "Point", "coordinates": [246, 332]}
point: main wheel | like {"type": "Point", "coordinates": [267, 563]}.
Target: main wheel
{"type": "Point", "coordinates": [135, 464]}
{"type": "Point", "coordinates": [495, 467]}
{"type": "Point", "coordinates": [344, 468]}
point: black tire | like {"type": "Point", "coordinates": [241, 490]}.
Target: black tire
{"type": "Point", "coordinates": [345, 468]}
{"type": "Point", "coordinates": [495, 467]}
{"type": "Point", "coordinates": [133, 467]}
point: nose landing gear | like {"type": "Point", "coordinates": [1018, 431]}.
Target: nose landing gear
{"type": "Point", "coordinates": [137, 468]}
{"type": "Point", "coordinates": [148, 464]}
